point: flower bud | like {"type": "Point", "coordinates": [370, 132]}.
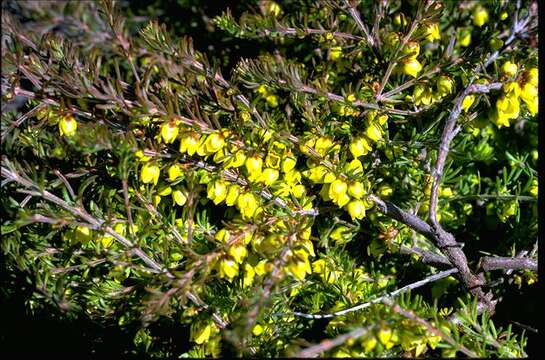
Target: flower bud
{"type": "Point", "coordinates": [444, 85]}
{"type": "Point", "coordinates": [68, 125]}
{"type": "Point", "coordinates": [509, 69]}
{"type": "Point", "coordinates": [480, 16]}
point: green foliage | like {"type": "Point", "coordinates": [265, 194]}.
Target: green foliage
{"type": "Point", "coordinates": [143, 181]}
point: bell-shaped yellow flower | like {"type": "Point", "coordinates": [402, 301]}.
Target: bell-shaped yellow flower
{"type": "Point", "coordinates": [335, 53]}
{"type": "Point", "coordinates": [323, 145]}
{"type": "Point", "coordinates": [237, 160]}
{"type": "Point", "coordinates": [411, 67]}
{"type": "Point", "coordinates": [253, 165]}
{"type": "Point", "coordinates": [288, 163]}
{"type": "Point", "coordinates": [179, 197]}
{"type": "Point", "coordinates": [232, 195]}
{"type": "Point", "coordinates": [337, 192]}
{"type": "Point", "coordinates": [422, 95]}
{"type": "Point", "coordinates": [354, 167]}
{"type": "Point", "coordinates": [356, 190]}
{"type": "Point", "coordinates": [480, 15]}
{"type": "Point", "coordinates": [228, 268]}
{"type": "Point", "coordinates": [467, 102]}
{"type": "Point", "coordinates": [169, 132]}
{"type": "Point", "coordinates": [249, 274]}
{"type": "Point", "coordinates": [222, 235]}
{"type": "Point", "coordinates": [412, 48]}
{"type": "Point", "coordinates": [217, 191]}
{"type": "Point", "coordinates": [68, 125]}
{"type": "Point", "coordinates": [359, 147]}
{"type": "Point", "coordinates": [507, 107]}
{"type": "Point", "coordinates": [214, 142]}
{"type": "Point", "coordinates": [298, 265]}
{"type": "Point", "coordinates": [238, 252]}
{"type": "Point", "coordinates": [269, 176]}
{"type": "Point", "coordinates": [356, 209]}
{"type": "Point", "coordinates": [175, 172]}
{"type": "Point", "coordinates": [529, 94]}
{"type": "Point", "coordinates": [150, 173]}
{"type": "Point", "coordinates": [532, 76]}
{"type": "Point", "coordinates": [445, 85]}
{"type": "Point", "coordinates": [509, 68]}
{"type": "Point", "coordinates": [189, 143]}
{"type": "Point", "coordinates": [247, 204]}
{"type": "Point", "coordinates": [202, 333]}
{"type": "Point", "coordinates": [374, 131]}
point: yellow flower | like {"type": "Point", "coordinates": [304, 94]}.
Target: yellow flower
{"type": "Point", "coordinates": [411, 67]}
{"type": "Point", "coordinates": [374, 132]}
{"type": "Point", "coordinates": [217, 191]}
{"type": "Point", "coordinates": [179, 197]}
{"type": "Point", "coordinates": [68, 125]}
{"type": "Point", "coordinates": [356, 209]}
{"type": "Point", "coordinates": [369, 344]}
{"type": "Point", "coordinates": [323, 144]}
{"type": "Point", "coordinates": [150, 173]}
{"type": "Point", "coordinates": [247, 204]}
{"type": "Point", "coordinates": [189, 143]}
{"type": "Point", "coordinates": [508, 108]}
{"type": "Point", "coordinates": [384, 335]}
{"type": "Point", "coordinates": [529, 95]}
{"type": "Point", "coordinates": [335, 53]}
{"type": "Point", "coordinates": [272, 100]}
{"type": "Point", "coordinates": [249, 275]}
{"type": "Point", "coordinates": [337, 192]}
{"type": "Point", "coordinates": [257, 330]}
{"type": "Point", "coordinates": [228, 269]}
{"type": "Point", "coordinates": [238, 252]}
{"type": "Point", "coordinates": [509, 69]}
{"type": "Point", "coordinates": [203, 333]}
{"type": "Point", "coordinates": [269, 176]}
{"type": "Point", "coordinates": [169, 132]}
{"type": "Point", "coordinates": [356, 190]}
{"type": "Point", "coordinates": [412, 48]}
{"type": "Point", "coordinates": [467, 102]}
{"type": "Point", "coordinates": [444, 85]}
{"type": "Point", "coordinates": [316, 174]}
{"type": "Point", "coordinates": [213, 143]}
{"type": "Point", "coordinates": [422, 95]}
{"type": "Point", "coordinates": [232, 195]}
{"type": "Point", "coordinates": [288, 163]}
{"type": "Point", "coordinates": [320, 267]}
{"type": "Point", "coordinates": [354, 167]}
{"type": "Point", "coordinates": [140, 155]}
{"type": "Point", "coordinates": [254, 165]}
{"type": "Point", "coordinates": [299, 266]}
{"type": "Point", "coordinates": [359, 147]}
{"type": "Point", "coordinates": [432, 32]}
{"type": "Point", "coordinates": [83, 233]}
{"type": "Point", "coordinates": [464, 37]}
{"type": "Point", "coordinates": [340, 235]}
{"type": "Point", "coordinates": [480, 16]}
{"type": "Point", "coordinates": [175, 172]}
{"type": "Point", "coordinates": [222, 235]}
{"type": "Point", "coordinates": [385, 190]}
{"type": "Point", "coordinates": [532, 76]}
{"type": "Point", "coordinates": [273, 8]}
{"type": "Point", "coordinates": [237, 160]}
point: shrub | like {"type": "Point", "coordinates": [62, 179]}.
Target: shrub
{"type": "Point", "coordinates": [297, 199]}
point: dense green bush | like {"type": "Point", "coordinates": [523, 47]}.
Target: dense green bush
{"type": "Point", "coordinates": [337, 176]}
